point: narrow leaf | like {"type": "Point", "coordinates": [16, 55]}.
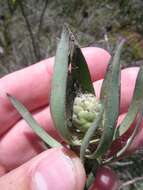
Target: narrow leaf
{"type": "Point", "coordinates": [89, 134]}
{"type": "Point", "coordinates": [80, 71]}
{"type": "Point", "coordinates": [92, 175]}
{"type": "Point", "coordinates": [134, 107]}
{"type": "Point", "coordinates": [111, 101]}
{"type": "Point", "coordinates": [107, 78]}
{"type": "Point", "coordinates": [27, 116]}
{"type": "Point", "coordinates": [130, 140]}
{"type": "Point", "coordinates": [59, 84]}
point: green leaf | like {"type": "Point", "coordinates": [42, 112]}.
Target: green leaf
{"type": "Point", "coordinates": [134, 106]}
{"type": "Point", "coordinates": [80, 72]}
{"type": "Point", "coordinates": [110, 96]}
{"type": "Point", "coordinates": [92, 175]}
{"type": "Point", "coordinates": [59, 86]}
{"type": "Point", "coordinates": [79, 81]}
{"type": "Point", "coordinates": [27, 116]}
{"type": "Point", "coordinates": [130, 139]}
{"type": "Point", "coordinates": [89, 134]}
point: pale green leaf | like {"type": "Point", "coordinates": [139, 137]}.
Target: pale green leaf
{"type": "Point", "coordinates": [59, 86]}
{"type": "Point", "coordinates": [111, 100]}
{"type": "Point", "coordinates": [27, 116]}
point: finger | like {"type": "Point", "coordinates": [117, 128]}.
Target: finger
{"type": "Point", "coordinates": [128, 79]}
{"type": "Point", "coordinates": [23, 142]}
{"type": "Point", "coordinates": [32, 84]}
{"type": "Point", "coordinates": [54, 169]}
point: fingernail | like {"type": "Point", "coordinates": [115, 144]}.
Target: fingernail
{"type": "Point", "coordinates": [58, 171]}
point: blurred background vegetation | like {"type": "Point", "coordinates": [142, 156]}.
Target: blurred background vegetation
{"type": "Point", "coordinates": [29, 31]}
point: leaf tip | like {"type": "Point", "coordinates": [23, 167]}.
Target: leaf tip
{"type": "Point", "coordinates": [10, 97]}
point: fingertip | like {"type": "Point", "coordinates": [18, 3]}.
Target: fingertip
{"type": "Point", "coordinates": [97, 59]}
{"type": "Point", "coordinates": [60, 169]}
{"type": "Point", "coordinates": [54, 169]}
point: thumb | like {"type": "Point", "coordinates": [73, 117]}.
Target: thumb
{"type": "Point", "coordinates": [54, 169]}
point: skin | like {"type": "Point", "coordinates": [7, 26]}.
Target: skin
{"type": "Point", "coordinates": [21, 151]}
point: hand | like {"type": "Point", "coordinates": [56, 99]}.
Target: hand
{"type": "Point", "coordinates": [19, 144]}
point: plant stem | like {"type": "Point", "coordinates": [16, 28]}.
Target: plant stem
{"type": "Point", "coordinates": [130, 182]}
{"type": "Point", "coordinates": [34, 44]}
{"type": "Point", "coordinates": [91, 176]}
{"type": "Point", "coordinates": [41, 19]}
{"type": "Point", "coordinates": [89, 181]}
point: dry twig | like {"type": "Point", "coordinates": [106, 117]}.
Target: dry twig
{"type": "Point", "coordinates": [130, 182]}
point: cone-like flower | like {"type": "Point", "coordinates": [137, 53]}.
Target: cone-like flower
{"type": "Point", "coordinates": [86, 108]}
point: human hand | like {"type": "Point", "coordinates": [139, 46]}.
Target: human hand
{"type": "Point", "coordinates": [19, 144]}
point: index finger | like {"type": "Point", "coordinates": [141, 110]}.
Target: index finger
{"type": "Point", "coordinates": [32, 84]}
